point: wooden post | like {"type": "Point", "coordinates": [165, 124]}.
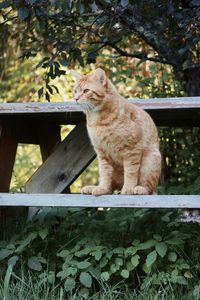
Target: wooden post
{"type": "Point", "coordinates": [8, 148]}
{"type": "Point", "coordinates": [49, 138]}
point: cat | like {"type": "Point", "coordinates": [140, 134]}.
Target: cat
{"type": "Point", "coordinates": [123, 135]}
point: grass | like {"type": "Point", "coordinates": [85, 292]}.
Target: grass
{"type": "Point", "coordinates": [29, 287]}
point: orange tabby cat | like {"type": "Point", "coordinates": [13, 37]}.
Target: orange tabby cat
{"type": "Point", "coordinates": [123, 135]}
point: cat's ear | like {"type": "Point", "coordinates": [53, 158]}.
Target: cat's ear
{"type": "Point", "coordinates": [101, 76]}
{"type": "Point", "coordinates": [75, 74]}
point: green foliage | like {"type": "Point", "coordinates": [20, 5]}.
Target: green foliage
{"type": "Point", "coordinates": [180, 149]}
{"type": "Point", "coordinates": [105, 246]}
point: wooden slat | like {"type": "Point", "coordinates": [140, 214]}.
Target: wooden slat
{"type": "Point", "coordinates": [64, 165]}
{"type": "Point", "coordinates": [78, 200]}
{"type": "Point", "coordinates": [183, 111]}
{"type": "Point", "coordinates": [70, 106]}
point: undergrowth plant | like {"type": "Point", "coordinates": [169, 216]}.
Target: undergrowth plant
{"type": "Point", "coordinates": [80, 249]}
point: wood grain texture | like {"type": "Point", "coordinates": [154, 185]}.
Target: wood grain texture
{"type": "Point", "coordinates": [184, 111]}
{"type": "Point", "coordinates": [64, 165]}
{"type": "Point", "coordinates": [78, 200]}
{"type": "Point", "coordinates": [71, 106]}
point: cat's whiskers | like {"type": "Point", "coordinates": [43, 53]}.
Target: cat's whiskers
{"type": "Point", "coordinates": [88, 106]}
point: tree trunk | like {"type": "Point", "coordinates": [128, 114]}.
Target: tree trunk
{"type": "Point", "coordinates": [192, 87]}
{"type": "Point", "coordinates": [192, 80]}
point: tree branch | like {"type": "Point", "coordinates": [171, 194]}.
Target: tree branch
{"type": "Point", "coordinates": [134, 19]}
{"type": "Point", "coordinates": [139, 55]}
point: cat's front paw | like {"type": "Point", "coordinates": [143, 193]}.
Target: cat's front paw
{"type": "Point", "coordinates": [88, 189]}
{"type": "Point", "coordinates": [99, 190]}
{"type": "Point", "coordinates": [127, 190]}
{"type": "Point", "coordinates": [141, 190]}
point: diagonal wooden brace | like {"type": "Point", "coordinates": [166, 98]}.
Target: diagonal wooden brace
{"type": "Point", "coordinates": [64, 165]}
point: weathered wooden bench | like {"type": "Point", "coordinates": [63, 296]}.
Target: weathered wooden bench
{"type": "Point", "coordinates": [64, 161]}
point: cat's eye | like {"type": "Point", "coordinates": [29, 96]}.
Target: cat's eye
{"type": "Point", "coordinates": [86, 91]}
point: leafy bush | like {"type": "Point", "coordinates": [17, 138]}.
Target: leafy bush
{"type": "Point", "coordinates": [81, 248]}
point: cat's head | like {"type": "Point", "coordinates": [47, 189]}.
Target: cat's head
{"type": "Point", "coordinates": [90, 90]}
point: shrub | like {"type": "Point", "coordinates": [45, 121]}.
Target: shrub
{"type": "Point", "coordinates": [81, 248]}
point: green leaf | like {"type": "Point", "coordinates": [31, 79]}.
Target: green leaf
{"type": "Point", "coordinates": [49, 89]}
{"type": "Point", "coordinates": [40, 92]}
{"type": "Point", "coordinates": [83, 252]}
{"type": "Point", "coordinates": [135, 260]}
{"type": "Point", "coordinates": [161, 249]}
{"type": "Point", "coordinates": [130, 251]}
{"type": "Point", "coordinates": [47, 96]}
{"type": "Point", "coordinates": [83, 264]}
{"type": "Point", "coordinates": [67, 272]}
{"type": "Point", "coordinates": [151, 258]}
{"type": "Point", "coordinates": [5, 253]}
{"type": "Point", "coordinates": [175, 241]}
{"type": "Point", "coordinates": [86, 279]}
{"type": "Point", "coordinates": [188, 274]}
{"type": "Point", "coordinates": [12, 261]}
{"type": "Point", "coordinates": [42, 259]}
{"type": "Point", "coordinates": [129, 266]}
{"type": "Point", "coordinates": [118, 250]}
{"type": "Point", "coordinates": [34, 263]}
{"type": "Point", "coordinates": [148, 244]}
{"type": "Point", "coordinates": [55, 87]}
{"type": "Point", "coordinates": [172, 256]}
{"type": "Point", "coordinates": [84, 292]}
{"type": "Point", "coordinates": [113, 268]}
{"type": "Point", "coordinates": [63, 253]}
{"type": "Point", "coordinates": [43, 233]}
{"type": "Point", "coordinates": [30, 1]}
{"type": "Point", "coordinates": [181, 280]}
{"type": "Point", "coordinates": [103, 262]}
{"type": "Point", "coordinates": [157, 237]}
{"type": "Point", "coordinates": [26, 241]}
{"type": "Point", "coordinates": [105, 276]}
{"type": "Point", "coordinates": [23, 13]}
{"type": "Point", "coordinates": [124, 3]}
{"type": "Point", "coordinates": [119, 261]}
{"type": "Point", "coordinates": [97, 254]}
{"type": "Point", "coordinates": [69, 284]}
{"type": "Point", "coordinates": [125, 273]}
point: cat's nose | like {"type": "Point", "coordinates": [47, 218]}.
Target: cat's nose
{"type": "Point", "coordinates": [76, 98]}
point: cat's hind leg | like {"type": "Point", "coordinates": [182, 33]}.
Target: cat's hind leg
{"type": "Point", "coordinates": [131, 165]}
{"type": "Point", "coordinates": [118, 179]}
{"type": "Point", "coordinates": [149, 173]}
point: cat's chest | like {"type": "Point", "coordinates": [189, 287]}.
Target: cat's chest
{"type": "Point", "coordinates": [106, 139]}
{"type": "Point", "coordinates": [101, 136]}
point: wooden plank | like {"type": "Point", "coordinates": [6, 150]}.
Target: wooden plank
{"type": "Point", "coordinates": [64, 165]}
{"type": "Point", "coordinates": [183, 111]}
{"type": "Point", "coordinates": [79, 200]}
{"type": "Point", "coordinates": [70, 106]}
